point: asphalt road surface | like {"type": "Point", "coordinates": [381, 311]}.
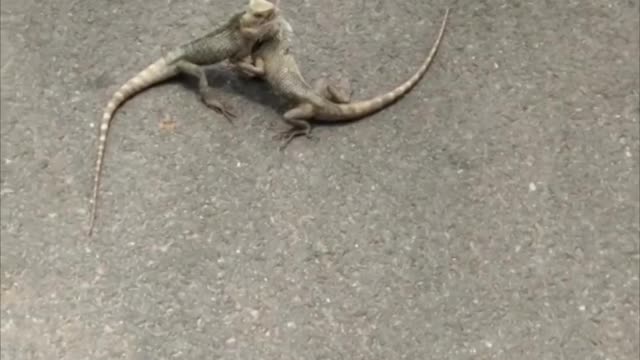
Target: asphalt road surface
{"type": "Point", "coordinates": [490, 214]}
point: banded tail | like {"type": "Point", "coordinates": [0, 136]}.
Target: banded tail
{"type": "Point", "coordinates": [154, 73]}
{"type": "Point", "coordinates": [358, 109]}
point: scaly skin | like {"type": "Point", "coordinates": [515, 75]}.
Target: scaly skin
{"type": "Point", "coordinates": [273, 60]}
{"type": "Point", "coordinates": [232, 41]}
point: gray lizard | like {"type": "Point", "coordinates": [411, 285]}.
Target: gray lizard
{"type": "Point", "coordinates": [232, 41]}
{"type": "Point", "coordinates": [273, 60]}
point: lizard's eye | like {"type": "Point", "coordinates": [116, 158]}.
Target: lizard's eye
{"type": "Point", "coordinates": [264, 15]}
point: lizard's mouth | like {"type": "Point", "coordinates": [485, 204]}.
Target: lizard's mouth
{"type": "Point", "coordinates": [260, 19]}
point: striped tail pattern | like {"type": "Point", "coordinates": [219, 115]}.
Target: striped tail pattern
{"type": "Point", "coordinates": [154, 73]}
{"type": "Point", "coordinates": [355, 110]}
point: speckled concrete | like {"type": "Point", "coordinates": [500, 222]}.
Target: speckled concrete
{"type": "Point", "coordinates": [490, 214]}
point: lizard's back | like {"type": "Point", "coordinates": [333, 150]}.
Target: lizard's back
{"type": "Point", "coordinates": [281, 68]}
{"type": "Point", "coordinates": [217, 45]}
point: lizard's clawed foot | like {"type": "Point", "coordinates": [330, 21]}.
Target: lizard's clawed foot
{"type": "Point", "coordinates": [248, 69]}
{"type": "Point", "coordinates": [288, 135]}
{"type": "Point", "coordinates": [212, 103]}
{"type": "Point", "coordinates": [249, 75]}
{"type": "Point", "coordinates": [242, 71]}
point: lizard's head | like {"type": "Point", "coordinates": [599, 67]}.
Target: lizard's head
{"type": "Point", "coordinates": [261, 19]}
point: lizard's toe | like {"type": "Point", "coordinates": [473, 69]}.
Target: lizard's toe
{"type": "Point", "coordinates": [218, 106]}
{"type": "Point", "coordinates": [288, 135]}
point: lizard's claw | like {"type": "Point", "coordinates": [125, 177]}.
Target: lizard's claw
{"type": "Point", "coordinates": [247, 74]}
{"type": "Point", "coordinates": [239, 68]}
{"type": "Point", "coordinates": [224, 111]}
{"type": "Point", "coordinates": [218, 106]}
{"type": "Point", "coordinates": [288, 135]}
{"type": "Point", "coordinates": [247, 71]}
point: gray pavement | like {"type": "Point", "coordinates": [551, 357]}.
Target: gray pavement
{"type": "Point", "coordinates": [490, 214]}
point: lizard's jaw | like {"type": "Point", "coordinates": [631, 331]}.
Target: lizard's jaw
{"type": "Point", "coordinates": [260, 28]}
{"type": "Point", "coordinates": [259, 14]}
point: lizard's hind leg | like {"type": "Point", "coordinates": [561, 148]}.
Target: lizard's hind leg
{"type": "Point", "coordinates": [297, 118]}
{"type": "Point", "coordinates": [206, 93]}
{"type": "Point", "coordinates": [338, 94]}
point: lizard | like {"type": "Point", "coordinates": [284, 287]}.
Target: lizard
{"type": "Point", "coordinates": [231, 41]}
{"type": "Point", "coordinates": [273, 61]}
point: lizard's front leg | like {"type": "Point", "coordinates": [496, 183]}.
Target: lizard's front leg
{"type": "Point", "coordinates": [251, 67]}
{"type": "Point", "coordinates": [206, 93]}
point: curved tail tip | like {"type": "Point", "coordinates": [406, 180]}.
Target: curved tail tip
{"type": "Point", "coordinates": [92, 223]}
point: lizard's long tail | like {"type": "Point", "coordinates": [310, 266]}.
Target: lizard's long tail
{"type": "Point", "coordinates": [359, 109]}
{"type": "Point", "coordinates": [154, 73]}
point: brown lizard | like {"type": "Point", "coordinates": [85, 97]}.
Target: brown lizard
{"type": "Point", "coordinates": [273, 60]}
{"type": "Point", "coordinates": [232, 41]}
